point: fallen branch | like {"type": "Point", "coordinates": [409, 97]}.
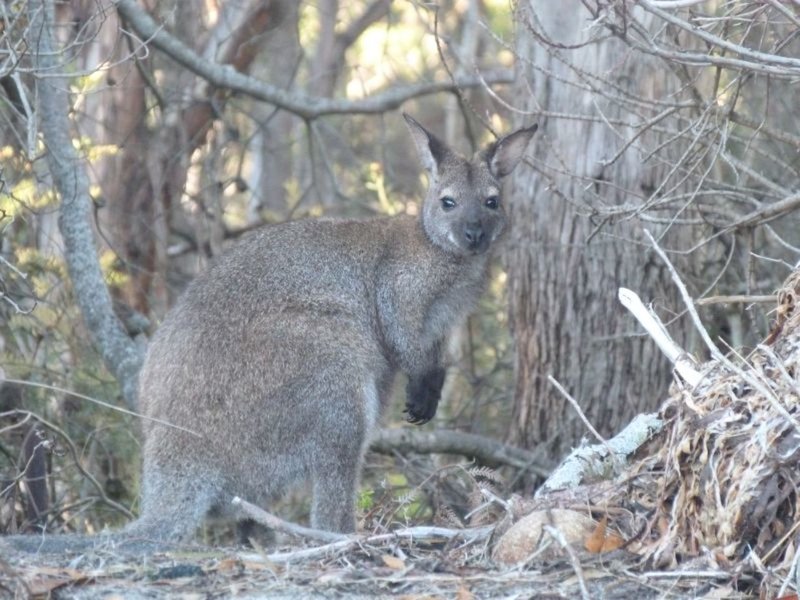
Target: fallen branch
{"type": "Point", "coordinates": [602, 461]}
{"type": "Point", "coordinates": [407, 534]}
{"type": "Point", "coordinates": [443, 441]}
{"type": "Point", "coordinates": [259, 515]}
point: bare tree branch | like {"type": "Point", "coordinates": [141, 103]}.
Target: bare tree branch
{"type": "Point", "coordinates": [790, 63]}
{"type": "Point", "coordinates": [768, 213]}
{"type": "Point", "coordinates": [120, 353]}
{"type": "Point", "coordinates": [456, 442]}
{"type": "Point", "coordinates": [307, 107]}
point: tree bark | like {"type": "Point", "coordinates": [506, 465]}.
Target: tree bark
{"type": "Point", "coordinates": [272, 145]}
{"type": "Point", "coordinates": [120, 354]}
{"type": "Point", "coordinates": [564, 266]}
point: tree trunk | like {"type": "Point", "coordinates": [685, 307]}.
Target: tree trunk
{"type": "Point", "coordinates": [120, 354]}
{"type": "Point", "coordinates": [564, 265]}
{"type": "Point", "coordinates": [272, 145]}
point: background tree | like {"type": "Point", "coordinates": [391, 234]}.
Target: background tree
{"type": "Point", "coordinates": [639, 133]}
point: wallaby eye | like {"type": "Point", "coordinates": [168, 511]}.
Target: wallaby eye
{"type": "Point", "coordinates": [492, 202]}
{"type": "Point", "coordinates": [447, 203]}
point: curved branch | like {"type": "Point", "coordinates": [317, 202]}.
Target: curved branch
{"type": "Point", "coordinates": [120, 353]}
{"type": "Point", "coordinates": [445, 441]}
{"type": "Point", "coordinates": [756, 56]}
{"type": "Point", "coordinates": [307, 107]}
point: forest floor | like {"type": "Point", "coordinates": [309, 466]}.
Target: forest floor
{"type": "Point", "coordinates": [401, 568]}
{"type": "Point", "coordinates": [707, 505]}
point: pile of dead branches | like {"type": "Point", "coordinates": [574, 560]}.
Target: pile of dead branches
{"type": "Point", "coordinates": [715, 489]}
{"type": "Point", "coordinates": [724, 478]}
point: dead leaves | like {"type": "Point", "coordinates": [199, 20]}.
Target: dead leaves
{"type": "Point", "coordinates": [44, 580]}
{"type": "Point", "coordinates": [393, 562]}
{"type": "Point", "coordinates": [602, 540]}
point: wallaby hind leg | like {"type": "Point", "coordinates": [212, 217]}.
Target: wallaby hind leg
{"type": "Point", "coordinates": [173, 505]}
{"type": "Point", "coordinates": [333, 504]}
{"type": "Point", "coordinates": [338, 461]}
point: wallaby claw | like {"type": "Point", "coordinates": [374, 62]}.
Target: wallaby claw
{"type": "Point", "coordinates": [415, 419]}
{"type": "Point", "coordinates": [422, 396]}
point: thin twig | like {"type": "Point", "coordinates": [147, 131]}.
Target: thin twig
{"type": "Point", "coordinates": [410, 534]}
{"type": "Point", "coordinates": [573, 558]}
{"type": "Point", "coordinates": [736, 299]}
{"type": "Point", "coordinates": [757, 385]}
{"type": "Point", "coordinates": [578, 409]}
{"type": "Point", "coordinates": [60, 390]}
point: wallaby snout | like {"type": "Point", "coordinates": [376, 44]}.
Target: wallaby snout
{"type": "Point", "coordinates": [475, 236]}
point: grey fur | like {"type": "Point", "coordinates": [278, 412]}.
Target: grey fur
{"type": "Point", "coordinates": [281, 356]}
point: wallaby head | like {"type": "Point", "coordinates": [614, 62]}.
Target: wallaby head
{"type": "Point", "coordinates": [463, 211]}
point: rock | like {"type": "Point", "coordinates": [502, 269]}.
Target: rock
{"type": "Point", "coordinates": [528, 534]}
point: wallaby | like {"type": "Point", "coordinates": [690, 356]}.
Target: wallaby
{"type": "Point", "coordinates": [281, 356]}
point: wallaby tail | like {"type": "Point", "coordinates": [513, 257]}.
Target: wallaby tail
{"type": "Point", "coordinates": [142, 536]}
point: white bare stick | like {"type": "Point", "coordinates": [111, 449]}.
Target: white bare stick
{"type": "Point", "coordinates": [573, 558]}
{"type": "Point", "coordinates": [684, 364]}
{"type": "Point", "coordinates": [410, 533]}
{"type": "Point", "coordinates": [261, 516]}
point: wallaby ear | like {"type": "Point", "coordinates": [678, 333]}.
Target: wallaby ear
{"type": "Point", "coordinates": [431, 149]}
{"type": "Point", "coordinates": [506, 152]}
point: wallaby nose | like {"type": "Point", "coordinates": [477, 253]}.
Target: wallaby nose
{"type": "Point", "coordinates": [474, 234]}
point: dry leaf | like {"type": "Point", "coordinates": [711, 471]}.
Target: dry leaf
{"type": "Point", "coordinates": [603, 540]}
{"type": "Point", "coordinates": [251, 565]}
{"type": "Point", "coordinates": [393, 562]}
{"type": "Point", "coordinates": [463, 593]}
{"type": "Point", "coordinates": [594, 542]}
{"type": "Point", "coordinates": [44, 580]}
{"type": "Point", "coordinates": [612, 542]}
{"type": "Point", "coordinates": [227, 565]}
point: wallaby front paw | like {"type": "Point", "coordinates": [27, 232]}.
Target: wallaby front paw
{"type": "Point", "coordinates": [422, 396]}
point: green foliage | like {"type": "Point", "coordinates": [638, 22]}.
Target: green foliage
{"type": "Point", "coordinates": [365, 500]}
{"type": "Point", "coordinates": [42, 341]}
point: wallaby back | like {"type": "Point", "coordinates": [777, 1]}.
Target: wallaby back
{"type": "Point", "coordinates": [280, 357]}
